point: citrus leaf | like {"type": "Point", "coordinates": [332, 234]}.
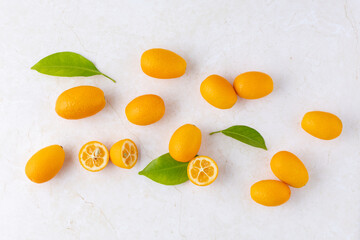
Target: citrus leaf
{"type": "Point", "coordinates": [166, 170]}
{"type": "Point", "coordinates": [244, 134]}
{"type": "Point", "coordinates": [67, 64]}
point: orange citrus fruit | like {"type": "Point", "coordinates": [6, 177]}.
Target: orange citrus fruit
{"type": "Point", "coordinates": [45, 164]}
{"type": "Point", "coordinates": [185, 143]}
{"type": "Point", "coordinates": [145, 109]}
{"type": "Point", "coordinates": [270, 192]}
{"type": "Point", "coordinates": [322, 125]}
{"type": "Point", "coordinates": [253, 85]}
{"type": "Point", "coordinates": [217, 91]}
{"type": "Point", "coordinates": [288, 168]}
{"type": "Point", "coordinates": [124, 154]}
{"type": "Point", "coordinates": [94, 156]}
{"type": "Point", "coordinates": [80, 102]}
{"type": "Point", "coordinates": [202, 170]}
{"type": "Point", "coordinates": [162, 63]}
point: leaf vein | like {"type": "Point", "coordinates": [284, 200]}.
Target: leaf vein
{"type": "Point", "coordinates": [72, 67]}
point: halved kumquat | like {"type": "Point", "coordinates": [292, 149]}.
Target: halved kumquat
{"type": "Point", "coordinates": [202, 170]}
{"type": "Point", "coordinates": [124, 154]}
{"type": "Point", "coordinates": [94, 156]}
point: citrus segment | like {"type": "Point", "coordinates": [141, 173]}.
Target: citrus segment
{"type": "Point", "coordinates": [94, 156]}
{"type": "Point", "coordinates": [202, 170]}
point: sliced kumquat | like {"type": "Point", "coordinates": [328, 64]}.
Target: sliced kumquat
{"type": "Point", "coordinates": [94, 156]}
{"type": "Point", "coordinates": [202, 170]}
{"type": "Point", "coordinates": [124, 154]}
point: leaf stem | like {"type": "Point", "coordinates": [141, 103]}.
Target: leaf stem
{"type": "Point", "coordinates": [215, 132]}
{"type": "Point", "coordinates": [108, 77]}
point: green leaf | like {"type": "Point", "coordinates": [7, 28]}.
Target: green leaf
{"type": "Point", "coordinates": [245, 134]}
{"type": "Point", "coordinates": [67, 64]}
{"type": "Point", "coordinates": [166, 170]}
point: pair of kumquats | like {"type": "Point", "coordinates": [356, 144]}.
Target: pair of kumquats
{"type": "Point", "coordinates": [93, 156]}
{"type": "Point", "coordinates": [217, 91]}
{"type": "Point", "coordinates": [290, 170]}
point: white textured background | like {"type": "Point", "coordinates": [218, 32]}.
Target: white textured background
{"type": "Point", "coordinates": [310, 48]}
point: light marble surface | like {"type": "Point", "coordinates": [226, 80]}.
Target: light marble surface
{"type": "Point", "coordinates": [310, 48]}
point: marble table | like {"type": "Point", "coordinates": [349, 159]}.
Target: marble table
{"type": "Point", "coordinates": [311, 49]}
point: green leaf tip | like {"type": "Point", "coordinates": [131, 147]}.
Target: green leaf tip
{"type": "Point", "coordinates": [108, 77]}
{"type": "Point", "coordinates": [214, 132]}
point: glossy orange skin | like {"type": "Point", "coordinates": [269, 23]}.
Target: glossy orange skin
{"type": "Point", "coordinates": [217, 91]}
{"type": "Point", "coordinates": [162, 63]}
{"type": "Point", "coordinates": [270, 192]}
{"type": "Point", "coordinates": [145, 110]}
{"type": "Point", "coordinates": [253, 85]}
{"type": "Point", "coordinates": [185, 143]}
{"type": "Point", "coordinates": [322, 125]}
{"type": "Point", "coordinates": [289, 169]}
{"type": "Point", "coordinates": [45, 164]}
{"type": "Point", "coordinates": [80, 102]}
